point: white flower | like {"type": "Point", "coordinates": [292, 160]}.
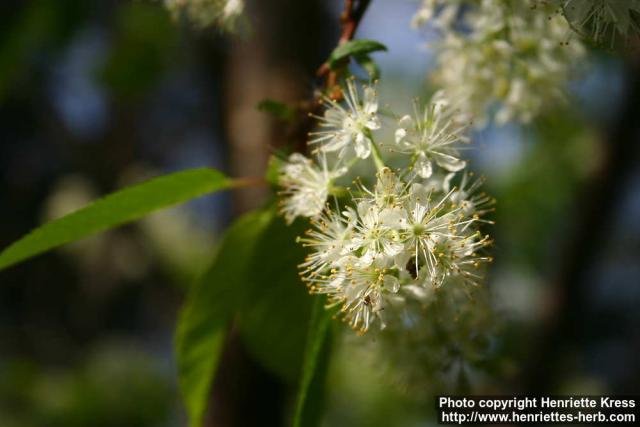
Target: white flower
{"type": "Point", "coordinates": [456, 257]}
{"type": "Point", "coordinates": [427, 224]}
{"type": "Point", "coordinates": [389, 190]}
{"type": "Point", "coordinates": [363, 294]}
{"type": "Point", "coordinates": [443, 235]}
{"type": "Point", "coordinates": [433, 136]}
{"type": "Point", "coordinates": [305, 185]}
{"type": "Point", "coordinates": [349, 126]}
{"type": "Point", "coordinates": [392, 246]}
{"type": "Point", "coordinates": [376, 233]}
{"type": "Point", "coordinates": [329, 240]}
{"type": "Point", "coordinates": [385, 245]}
{"type": "Point", "coordinates": [469, 200]}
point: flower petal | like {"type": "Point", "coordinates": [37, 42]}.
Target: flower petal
{"type": "Point", "coordinates": [391, 283]}
{"type": "Point", "coordinates": [362, 146]}
{"type": "Point", "coordinates": [370, 100]}
{"type": "Point", "coordinates": [400, 135]}
{"type": "Point", "coordinates": [423, 166]}
{"type": "Point", "coordinates": [339, 141]}
{"type": "Point", "coordinates": [449, 162]}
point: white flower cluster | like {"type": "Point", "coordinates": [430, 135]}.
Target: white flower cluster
{"type": "Point", "coordinates": [512, 55]}
{"type": "Point", "coordinates": [402, 236]}
{"type": "Point", "coordinates": [441, 14]}
{"type": "Point", "coordinates": [224, 14]}
{"type": "Point", "coordinates": [443, 340]}
{"type": "Point", "coordinates": [603, 19]}
{"type": "Point", "coordinates": [306, 186]}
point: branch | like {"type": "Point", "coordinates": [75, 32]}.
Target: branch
{"type": "Point", "coordinates": [350, 19]}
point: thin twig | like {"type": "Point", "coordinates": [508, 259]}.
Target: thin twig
{"type": "Point", "coordinates": [350, 19]}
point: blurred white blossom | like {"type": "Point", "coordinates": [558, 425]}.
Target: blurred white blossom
{"type": "Point", "coordinates": [438, 13]}
{"type": "Point", "coordinates": [407, 232]}
{"type": "Point", "coordinates": [224, 14]}
{"type": "Point", "coordinates": [515, 56]}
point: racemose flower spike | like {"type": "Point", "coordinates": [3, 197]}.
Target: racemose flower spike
{"type": "Point", "coordinates": [395, 236]}
{"type": "Point", "coordinates": [503, 60]}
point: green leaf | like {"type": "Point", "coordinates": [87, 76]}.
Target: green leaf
{"type": "Point", "coordinates": [276, 162]}
{"type": "Point", "coordinates": [277, 109]}
{"type": "Point", "coordinates": [353, 48]}
{"type": "Point", "coordinates": [209, 308]}
{"type": "Point", "coordinates": [116, 209]}
{"type": "Point", "coordinates": [311, 391]}
{"type": "Point", "coordinates": [254, 280]}
{"type": "Point", "coordinates": [274, 319]}
{"type": "Point", "coordinates": [369, 65]}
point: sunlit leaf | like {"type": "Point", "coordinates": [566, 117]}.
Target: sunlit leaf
{"type": "Point", "coordinates": [353, 48]}
{"type": "Point", "coordinates": [209, 308]}
{"type": "Point", "coordinates": [116, 209]}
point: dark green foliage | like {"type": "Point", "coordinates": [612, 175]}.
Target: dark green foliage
{"type": "Point", "coordinates": [274, 317]}
{"type": "Point", "coordinates": [118, 385]}
{"type": "Point", "coordinates": [146, 41]}
{"type": "Point", "coordinates": [209, 308]}
{"type": "Point", "coordinates": [277, 109]}
{"type": "Point", "coordinates": [310, 398]}
{"type": "Point", "coordinates": [253, 277]}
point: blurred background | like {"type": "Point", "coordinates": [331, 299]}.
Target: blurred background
{"type": "Point", "coordinates": [96, 95]}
